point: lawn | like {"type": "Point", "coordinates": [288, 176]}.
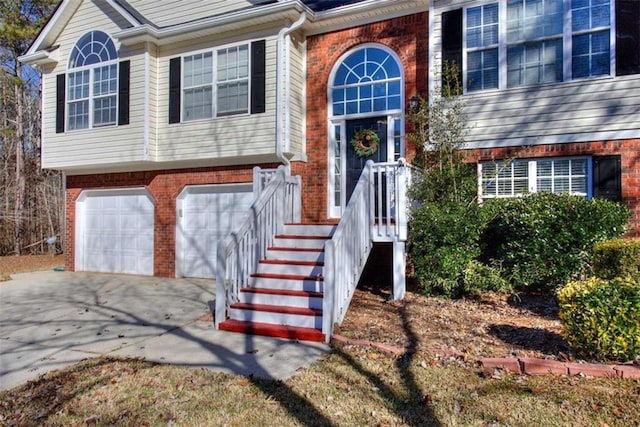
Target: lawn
{"type": "Point", "coordinates": [355, 385]}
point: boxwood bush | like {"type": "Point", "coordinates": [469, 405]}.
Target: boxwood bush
{"type": "Point", "coordinates": [545, 240]}
{"type": "Point", "coordinates": [617, 258]}
{"type": "Point", "coordinates": [601, 318]}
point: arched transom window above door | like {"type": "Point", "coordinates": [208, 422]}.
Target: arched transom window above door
{"type": "Point", "coordinates": [368, 80]}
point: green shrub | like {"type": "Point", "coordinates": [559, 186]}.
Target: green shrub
{"type": "Point", "coordinates": [478, 277]}
{"type": "Point", "coordinates": [443, 240]}
{"type": "Point", "coordinates": [617, 258]}
{"type": "Point", "coordinates": [545, 240]}
{"type": "Point", "coordinates": [601, 318]}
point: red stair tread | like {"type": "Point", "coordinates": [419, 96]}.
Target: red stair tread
{"type": "Point", "coordinates": [278, 309]}
{"type": "Point", "coordinates": [269, 330]}
{"type": "Point", "coordinates": [283, 292]}
{"type": "Point", "coordinates": [282, 248]}
{"type": "Point", "coordinates": [288, 277]}
{"type": "Point", "coordinates": [301, 237]}
{"type": "Point", "coordinates": [292, 262]}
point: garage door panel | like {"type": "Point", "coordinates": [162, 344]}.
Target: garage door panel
{"type": "Point", "coordinates": [208, 215]}
{"type": "Point", "coordinates": [116, 232]}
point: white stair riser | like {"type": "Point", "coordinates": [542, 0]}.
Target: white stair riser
{"type": "Point", "coordinates": [291, 285]}
{"type": "Point", "coordinates": [298, 270]}
{"type": "Point", "coordinates": [295, 256]}
{"type": "Point", "coordinates": [299, 243]}
{"type": "Point", "coordinates": [281, 300]}
{"type": "Point", "coordinates": [276, 318]}
{"type": "Point", "coordinates": [309, 230]}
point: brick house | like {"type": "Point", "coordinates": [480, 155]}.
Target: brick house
{"type": "Point", "coordinates": [177, 125]}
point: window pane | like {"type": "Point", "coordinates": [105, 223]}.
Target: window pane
{"type": "Point", "coordinates": [233, 97]}
{"type": "Point", "coordinates": [534, 63]}
{"type": "Point", "coordinates": [482, 70]}
{"type": "Point", "coordinates": [591, 55]}
{"type": "Point", "coordinates": [104, 111]}
{"type": "Point", "coordinates": [198, 103]}
{"type": "Point", "coordinates": [78, 117]}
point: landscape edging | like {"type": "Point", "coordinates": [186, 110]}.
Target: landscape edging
{"type": "Point", "coordinates": [517, 365]}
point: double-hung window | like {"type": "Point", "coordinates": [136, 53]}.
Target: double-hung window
{"type": "Point", "coordinates": [523, 176]}
{"type": "Point", "coordinates": [92, 83]}
{"type": "Point", "coordinates": [216, 83]}
{"type": "Point", "coordinates": [514, 43]}
{"type": "Point", "coordinates": [482, 47]}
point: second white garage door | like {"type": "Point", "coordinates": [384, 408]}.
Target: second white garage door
{"type": "Point", "coordinates": [205, 215]}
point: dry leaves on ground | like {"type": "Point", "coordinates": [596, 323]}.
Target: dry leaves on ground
{"type": "Point", "coordinates": [494, 325]}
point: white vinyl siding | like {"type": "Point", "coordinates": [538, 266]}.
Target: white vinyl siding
{"type": "Point", "coordinates": [297, 101]}
{"type": "Point", "coordinates": [518, 177]}
{"type": "Point", "coordinates": [234, 139]}
{"type": "Point", "coordinates": [600, 108]}
{"type": "Point", "coordinates": [105, 146]}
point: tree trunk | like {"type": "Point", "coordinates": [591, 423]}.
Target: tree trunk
{"type": "Point", "coordinates": [18, 230]}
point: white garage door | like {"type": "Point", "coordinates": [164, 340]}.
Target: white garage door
{"type": "Point", "coordinates": [206, 214]}
{"type": "Point", "coordinates": [114, 231]}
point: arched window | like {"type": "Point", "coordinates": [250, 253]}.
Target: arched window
{"type": "Point", "coordinates": [368, 80]}
{"type": "Point", "coordinates": [92, 83]}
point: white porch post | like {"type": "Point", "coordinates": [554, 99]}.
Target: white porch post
{"type": "Point", "coordinates": [399, 267]}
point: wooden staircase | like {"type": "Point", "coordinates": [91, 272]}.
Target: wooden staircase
{"type": "Point", "coordinates": [285, 295]}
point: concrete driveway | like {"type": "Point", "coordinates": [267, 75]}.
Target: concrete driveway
{"type": "Point", "coordinates": [49, 320]}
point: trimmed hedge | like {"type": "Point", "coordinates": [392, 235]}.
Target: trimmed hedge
{"type": "Point", "coordinates": [544, 240]}
{"type": "Point", "coordinates": [617, 258]}
{"type": "Point", "coordinates": [601, 318]}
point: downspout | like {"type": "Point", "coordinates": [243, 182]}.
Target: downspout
{"type": "Point", "coordinates": [283, 75]}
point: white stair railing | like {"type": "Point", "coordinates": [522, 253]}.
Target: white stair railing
{"type": "Point", "coordinates": [279, 202]}
{"type": "Point", "coordinates": [388, 194]}
{"type": "Point", "coordinates": [376, 212]}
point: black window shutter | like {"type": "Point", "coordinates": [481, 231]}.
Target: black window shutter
{"type": "Point", "coordinates": [607, 179]}
{"type": "Point", "coordinates": [123, 92]}
{"type": "Point", "coordinates": [258, 77]}
{"type": "Point", "coordinates": [452, 46]}
{"type": "Point", "coordinates": [61, 82]}
{"type": "Point", "coordinates": [174, 90]}
{"type": "Point", "coordinates": [627, 37]}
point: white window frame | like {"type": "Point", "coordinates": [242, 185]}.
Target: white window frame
{"type": "Point", "coordinates": [566, 36]}
{"type": "Point", "coordinates": [215, 83]}
{"type": "Point", "coordinates": [92, 97]}
{"type": "Point", "coordinates": [532, 176]}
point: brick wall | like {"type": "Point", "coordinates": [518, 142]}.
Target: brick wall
{"type": "Point", "coordinates": [629, 151]}
{"type": "Point", "coordinates": [164, 187]}
{"type": "Point", "coordinates": [407, 36]}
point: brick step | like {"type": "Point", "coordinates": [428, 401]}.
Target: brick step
{"type": "Point", "coordinates": [278, 331]}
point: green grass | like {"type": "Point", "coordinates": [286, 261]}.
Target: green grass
{"type": "Point", "coordinates": [351, 386]}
